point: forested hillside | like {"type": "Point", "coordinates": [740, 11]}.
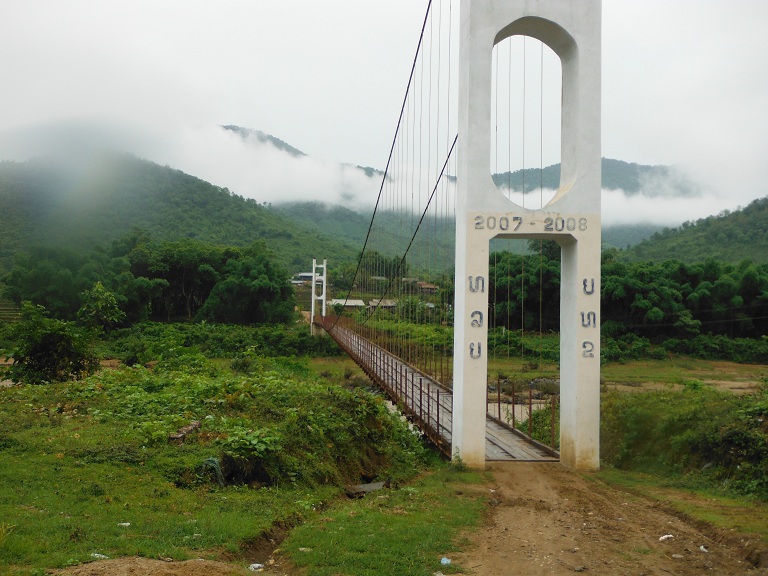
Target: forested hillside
{"type": "Point", "coordinates": [729, 236]}
{"type": "Point", "coordinates": [87, 203]}
{"type": "Point", "coordinates": [341, 222]}
{"type": "Point", "coordinates": [79, 206]}
{"type": "Point", "coordinates": [616, 175]}
{"type": "Point", "coordinates": [351, 226]}
{"type": "Point", "coordinates": [626, 235]}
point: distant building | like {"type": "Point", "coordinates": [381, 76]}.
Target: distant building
{"type": "Point", "coordinates": [382, 303]}
{"type": "Point", "coordinates": [427, 288]}
{"type": "Point", "coordinates": [347, 303]}
{"type": "Point", "coordinates": [305, 278]}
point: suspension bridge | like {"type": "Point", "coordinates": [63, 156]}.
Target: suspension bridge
{"type": "Point", "coordinates": [450, 308]}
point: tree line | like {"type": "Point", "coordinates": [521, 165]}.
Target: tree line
{"type": "Point", "coordinates": [138, 279]}
{"type": "Point", "coordinates": [669, 299]}
{"type": "Point", "coordinates": [190, 280]}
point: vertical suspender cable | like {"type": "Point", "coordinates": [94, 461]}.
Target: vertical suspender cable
{"type": "Point", "coordinates": [522, 258]}
{"type": "Point", "coordinates": [510, 242]}
{"type": "Point", "coordinates": [391, 151]}
{"type": "Point", "coordinates": [541, 205]}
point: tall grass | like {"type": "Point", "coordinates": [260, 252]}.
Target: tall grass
{"type": "Point", "coordinates": [698, 434]}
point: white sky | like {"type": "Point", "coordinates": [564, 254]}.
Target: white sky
{"type": "Point", "coordinates": [684, 82]}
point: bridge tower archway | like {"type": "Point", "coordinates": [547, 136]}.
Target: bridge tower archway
{"type": "Point", "coordinates": [571, 218]}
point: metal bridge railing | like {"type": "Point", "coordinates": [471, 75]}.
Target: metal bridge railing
{"type": "Point", "coordinates": [421, 398]}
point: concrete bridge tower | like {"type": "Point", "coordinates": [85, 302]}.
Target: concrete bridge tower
{"type": "Point", "coordinates": [571, 28]}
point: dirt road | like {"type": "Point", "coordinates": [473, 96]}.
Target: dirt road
{"type": "Point", "coordinates": [545, 520]}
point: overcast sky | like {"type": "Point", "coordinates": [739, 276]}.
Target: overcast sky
{"type": "Point", "coordinates": [684, 82]}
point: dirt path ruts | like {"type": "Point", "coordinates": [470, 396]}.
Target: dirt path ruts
{"type": "Point", "coordinates": [545, 520]}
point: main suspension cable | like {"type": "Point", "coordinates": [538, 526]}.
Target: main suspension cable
{"type": "Point", "coordinates": [389, 158]}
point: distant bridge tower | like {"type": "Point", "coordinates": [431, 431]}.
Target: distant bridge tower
{"type": "Point", "coordinates": [571, 28]}
{"type": "Point", "coordinates": [322, 279]}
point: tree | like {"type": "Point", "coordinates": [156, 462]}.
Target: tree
{"type": "Point", "coordinates": [100, 309]}
{"type": "Point", "coordinates": [48, 350]}
{"type": "Point", "coordinates": [184, 272]}
{"type": "Point", "coordinates": [547, 248]}
{"type": "Point", "coordinates": [252, 289]}
{"type": "Point", "coordinates": [46, 277]}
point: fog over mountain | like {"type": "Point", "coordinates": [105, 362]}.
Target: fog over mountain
{"type": "Point", "coordinates": [320, 77]}
{"type": "Point", "coordinates": [264, 167]}
{"type": "Point", "coordinates": [256, 165]}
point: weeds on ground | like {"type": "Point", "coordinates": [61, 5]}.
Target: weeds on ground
{"type": "Point", "coordinates": [696, 435]}
{"type": "Point", "coordinates": [86, 468]}
{"type": "Point", "coordinates": [392, 532]}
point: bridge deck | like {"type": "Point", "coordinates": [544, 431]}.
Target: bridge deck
{"type": "Point", "coordinates": [430, 404]}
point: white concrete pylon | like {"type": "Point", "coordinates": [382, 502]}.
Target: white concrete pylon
{"type": "Point", "coordinates": [323, 279]}
{"type": "Point", "coordinates": [572, 218]}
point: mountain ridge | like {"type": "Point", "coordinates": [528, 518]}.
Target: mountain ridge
{"type": "Point", "coordinates": [632, 178]}
{"type": "Point", "coordinates": [59, 203]}
{"type": "Point", "coordinates": [730, 236]}
{"type": "Point", "coordinates": [114, 194]}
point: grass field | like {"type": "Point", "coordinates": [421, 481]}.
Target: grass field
{"type": "Point", "coordinates": [86, 468]}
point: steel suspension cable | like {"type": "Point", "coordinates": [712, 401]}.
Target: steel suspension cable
{"type": "Point", "coordinates": [541, 204]}
{"type": "Point", "coordinates": [423, 215]}
{"type": "Point", "coordinates": [391, 152]}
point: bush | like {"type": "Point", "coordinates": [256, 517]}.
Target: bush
{"type": "Point", "coordinates": [48, 350]}
{"type": "Point", "coordinates": [156, 340]}
{"type": "Point", "coordinates": [720, 347]}
{"type": "Point", "coordinates": [628, 347]}
{"type": "Point", "coordinates": [279, 425]}
{"type": "Point", "coordinates": [100, 308]}
{"type": "Point", "coordinates": [698, 431]}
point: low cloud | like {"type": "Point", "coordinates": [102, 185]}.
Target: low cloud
{"type": "Point", "coordinates": [618, 208]}
{"type": "Point", "coordinates": [259, 170]}
{"type": "Point", "coordinates": [683, 195]}
{"type": "Point", "coordinates": [676, 182]}
{"type": "Point", "coordinates": [248, 167]}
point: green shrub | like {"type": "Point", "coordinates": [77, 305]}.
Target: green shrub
{"type": "Point", "coordinates": [100, 308]}
{"type": "Point", "coordinates": [279, 424]}
{"type": "Point", "coordinates": [697, 431]}
{"type": "Point", "coordinates": [628, 347]}
{"type": "Point", "coordinates": [720, 347]}
{"type": "Point", "coordinates": [150, 341]}
{"type": "Point", "coordinates": [48, 350]}
{"type": "Point", "coordinates": [541, 427]}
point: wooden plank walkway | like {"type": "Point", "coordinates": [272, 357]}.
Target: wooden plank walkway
{"type": "Point", "coordinates": [430, 404]}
